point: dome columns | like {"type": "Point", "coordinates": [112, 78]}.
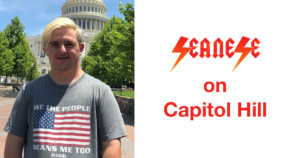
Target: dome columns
{"type": "Point", "coordinates": [89, 24]}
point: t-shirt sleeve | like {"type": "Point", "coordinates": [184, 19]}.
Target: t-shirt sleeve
{"type": "Point", "coordinates": [17, 122]}
{"type": "Point", "coordinates": [110, 121]}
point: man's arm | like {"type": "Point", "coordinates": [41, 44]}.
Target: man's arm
{"type": "Point", "coordinates": [13, 146]}
{"type": "Point", "coordinates": [111, 148]}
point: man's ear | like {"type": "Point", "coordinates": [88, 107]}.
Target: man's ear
{"type": "Point", "coordinates": [45, 51]}
{"type": "Point", "coordinates": [81, 47]}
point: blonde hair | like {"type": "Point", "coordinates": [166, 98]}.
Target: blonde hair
{"type": "Point", "coordinates": [60, 23]}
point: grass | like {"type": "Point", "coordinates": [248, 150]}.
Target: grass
{"type": "Point", "coordinates": [127, 93]}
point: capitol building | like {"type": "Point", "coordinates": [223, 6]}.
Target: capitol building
{"type": "Point", "coordinates": [89, 15]}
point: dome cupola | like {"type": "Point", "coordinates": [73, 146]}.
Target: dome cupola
{"type": "Point", "coordinates": [90, 15]}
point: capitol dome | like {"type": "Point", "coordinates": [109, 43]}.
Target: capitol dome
{"type": "Point", "coordinates": [90, 15]}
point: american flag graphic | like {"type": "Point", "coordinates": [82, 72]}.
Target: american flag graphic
{"type": "Point", "coordinates": [64, 129]}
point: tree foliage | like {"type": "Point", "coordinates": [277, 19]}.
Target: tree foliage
{"type": "Point", "coordinates": [14, 32]}
{"type": "Point", "coordinates": [6, 56]}
{"type": "Point", "coordinates": [111, 54]}
{"type": "Point", "coordinates": [33, 70]}
{"type": "Point", "coordinates": [18, 49]}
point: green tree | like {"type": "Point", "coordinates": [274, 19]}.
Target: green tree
{"type": "Point", "coordinates": [15, 35]}
{"type": "Point", "coordinates": [111, 54]}
{"type": "Point", "coordinates": [128, 12]}
{"type": "Point", "coordinates": [22, 60]}
{"type": "Point", "coordinates": [94, 66]}
{"type": "Point", "coordinates": [6, 57]}
{"type": "Point", "coordinates": [127, 43]}
{"type": "Point", "coordinates": [33, 70]}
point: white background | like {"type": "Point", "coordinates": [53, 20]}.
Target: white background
{"type": "Point", "coordinates": [273, 78]}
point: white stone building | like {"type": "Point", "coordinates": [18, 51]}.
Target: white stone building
{"type": "Point", "coordinates": [90, 15]}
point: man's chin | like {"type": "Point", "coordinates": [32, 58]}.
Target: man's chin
{"type": "Point", "coordinates": [61, 68]}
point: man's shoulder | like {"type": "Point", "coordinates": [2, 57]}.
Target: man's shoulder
{"type": "Point", "coordinates": [28, 88]}
{"type": "Point", "coordinates": [94, 81]}
{"type": "Point", "coordinates": [37, 81]}
{"type": "Point", "coordinates": [97, 86]}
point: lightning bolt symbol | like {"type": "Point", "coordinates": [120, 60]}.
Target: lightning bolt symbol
{"type": "Point", "coordinates": [180, 49]}
{"type": "Point", "coordinates": [240, 48]}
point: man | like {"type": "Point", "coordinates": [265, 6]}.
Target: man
{"type": "Point", "coordinates": [65, 113]}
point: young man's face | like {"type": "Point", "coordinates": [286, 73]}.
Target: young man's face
{"type": "Point", "coordinates": [64, 50]}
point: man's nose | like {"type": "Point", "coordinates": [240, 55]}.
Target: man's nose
{"type": "Point", "coordinates": [62, 49]}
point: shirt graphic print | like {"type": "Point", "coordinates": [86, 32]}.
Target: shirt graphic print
{"type": "Point", "coordinates": [61, 128]}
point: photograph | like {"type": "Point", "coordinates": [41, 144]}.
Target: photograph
{"type": "Point", "coordinates": [67, 78]}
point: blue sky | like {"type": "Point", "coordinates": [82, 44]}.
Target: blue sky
{"type": "Point", "coordinates": [36, 14]}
